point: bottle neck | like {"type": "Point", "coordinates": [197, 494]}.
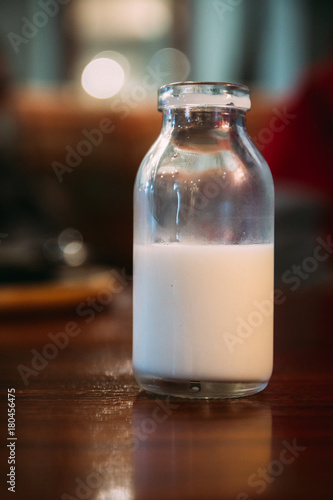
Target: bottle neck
{"type": "Point", "coordinates": [213, 118]}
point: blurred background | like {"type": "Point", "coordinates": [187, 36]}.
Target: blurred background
{"type": "Point", "coordinates": [78, 111]}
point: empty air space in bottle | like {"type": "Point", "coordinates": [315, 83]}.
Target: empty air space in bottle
{"type": "Point", "coordinates": [204, 192]}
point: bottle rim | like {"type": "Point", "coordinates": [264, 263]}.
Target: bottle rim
{"type": "Point", "coordinates": [204, 94]}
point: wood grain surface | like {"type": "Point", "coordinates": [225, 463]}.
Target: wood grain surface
{"type": "Point", "coordinates": [85, 431]}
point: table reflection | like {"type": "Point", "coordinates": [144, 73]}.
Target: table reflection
{"type": "Point", "coordinates": [176, 443]}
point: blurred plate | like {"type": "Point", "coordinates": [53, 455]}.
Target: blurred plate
{"type": "Point", "coordinates": [71, 287]}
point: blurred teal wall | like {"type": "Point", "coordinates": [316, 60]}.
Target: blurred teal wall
{"type": "Point", "coordinates": [268, 43]}
{"type": "Point", "coordinates": [38, 59]}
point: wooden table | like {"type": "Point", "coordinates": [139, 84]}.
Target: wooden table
{"type": "Point", "coordinates": [85, 431]}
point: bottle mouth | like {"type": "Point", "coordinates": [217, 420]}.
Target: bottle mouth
{"type": "Point", "coordinates": [204, 94]}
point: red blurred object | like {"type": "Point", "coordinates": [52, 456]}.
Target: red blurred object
{"type": "Point", "coordinates": [302, 154]}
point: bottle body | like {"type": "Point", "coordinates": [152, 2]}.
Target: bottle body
{"type": "Point", "coordinates": [203, 255]}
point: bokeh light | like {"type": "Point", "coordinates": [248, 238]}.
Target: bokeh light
{"type": "Point", "coordinates": [103, 78]}
{"type": "Point", "coordinates": [170, 65]}
{"type": "Point", "coordinates": [74, 251]}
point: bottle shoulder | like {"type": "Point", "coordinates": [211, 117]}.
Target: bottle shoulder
{"type": "Point", "coordinates": [188, 152]}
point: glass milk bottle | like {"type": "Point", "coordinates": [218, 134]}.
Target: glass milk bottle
{"type": "Point", "coordinates": [203, 249]}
